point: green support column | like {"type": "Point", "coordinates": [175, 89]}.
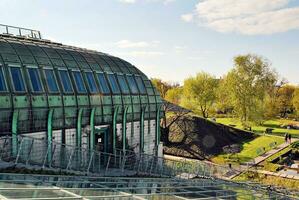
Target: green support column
{"type": "Point", "coordinates": [14, 131]}
{"type": "Point", "coordinates": [79, 128]}
{"type": "Point", "coordinates": [92, 131]}
{"type": "Point", "coordinates": [124, 128]}
{"type": "Point", "coordinates": [50, 134]}
{"type": "Point", "coordinates": [158, 116]}
{"type": "Point", "coordinates": [142, 129]}
{"type": "Point", "coordinates": [114, 128]}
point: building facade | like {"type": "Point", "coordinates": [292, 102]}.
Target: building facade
{"type": "Point", "coordinates": [75, 96]}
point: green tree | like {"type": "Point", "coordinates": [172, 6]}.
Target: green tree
{"type": "Point", "coordinates": [163, 86]}
{"type": "Point", "coordinates": [223, 99]}
{"type": "Point", "coordinates": [248, 83]}
{"type": "Point", "coordinates": [199, 93]}
{"type": "Point", "coordinates": [284, 99]}
{"type": "Point", "coordinates": [296, 100]}
{"type": "Point", "coordinates": [174, 95]}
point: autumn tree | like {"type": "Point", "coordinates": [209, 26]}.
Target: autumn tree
{"type": "Point", "coordinates": [284, 99]}
{"type": "Point", "coordinates": [248, 83]}
{"type": "Point", "coordinates": [295, 100]}
{"type": "Point", "coordinates": [199, 93]}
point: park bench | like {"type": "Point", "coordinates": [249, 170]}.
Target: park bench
{"type": "Point", "coordinates": [260, 151]}
{"type": "Point", "coordinates": [273, 145]}
{"type": "Point", "coordinates": [269, 130]}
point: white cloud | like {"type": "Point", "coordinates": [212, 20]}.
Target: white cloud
{"type": "Point", "coordinates": [140, 44]}
{"type": "Point", "coordinates": [143, 54]}
{"type": "Point", "coordinates": [128, 1]}
{"type": "Point", "coordinates": [187, 17]}
{"type": "Point", "coordinates": [165, 2]}
{"type": "Point", "coordinates": [250, 17]}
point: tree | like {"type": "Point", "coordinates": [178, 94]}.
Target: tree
{"type": "Point", "coordinates": [284, 100]}
{"type": "Point", "coordinates": [223, 99]}
{"type": "Point", "coordinates": [199, 93]}
{"type": "Point", "coordinates": [248, 83]}
{"type": "Point", "coordinates": [162, 86]}
{"type": "Point", "coordinates": [174, 95]}
{"type": "Point", "coordinates": [296, 100]}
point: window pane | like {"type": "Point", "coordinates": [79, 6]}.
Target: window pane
{"type": "Point", "coordinates": [51, 81]}
{"type": "Point", "coordinates": [91, 82]}
{"type": "Point", "coordinates": [113, 84]}
{"type": "Point", "coordinates": [35, 80]}
{"type": "Point", "coordinates": [2, 81]}
{"type": "Point", "coordinates": [140, 84]}
{"type": "Point", "coordinates": [66, 82]}
{"type": "Point", "coordinates": [79, 82]}
{"type": "Point", "coordinates": [123, 84]}
{"type": "Point", "coordinates": [17, 79]}
{"type": "Point", "coordinates": [132, 84]}
{"type": "Point", "coordinates": [103, 83]}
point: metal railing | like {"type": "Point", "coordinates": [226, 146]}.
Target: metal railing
{"type": "Point", "coordinates": [18, 31]}
{"type": "Point", "coordinates": [40, 153]}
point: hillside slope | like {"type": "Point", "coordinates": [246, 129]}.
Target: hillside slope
{"type": "Point", "coordinates": [196, 137]}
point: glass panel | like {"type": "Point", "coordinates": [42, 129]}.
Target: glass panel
{"type": "Point", "coordinates": [140, 84]}
{"type": "Point", "coordinates": [113, 84]}
{"type": "Point", "coordinates": [79, 82]}
{"type": "Point", "coordinates": [123, 84]}
{"type": "Point", "coordinates": [66, 82]}
{"type": "Point", "coordinates": [132, 84]}
{"type": "Point", "coordinates": [35, 80]}
{"type": "Point", "coordinates": [2, 81]}
{"type": "Point", "coordinates": [103, 83]}
{"type": "Point", "coordinates": [51, 81]}
{"type": "Point", "coordinates": [91, 82]}
{"type": "Point", "coordinates": [17, 79]}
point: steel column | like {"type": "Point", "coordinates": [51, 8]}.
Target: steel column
{"type": "Point", "coordinates": [158, 115]}
{"type": "Point", "coordinates": [50, 133]}
{"type": "Point", "coordinates": [79, 128]}
{"type": "Point", "coordinates": [114, 128]}
{"type": "Point", "coordinates": [142, 129]}
{"type": "Point", "coordinates": [92, 131]}
{"type": "Point", "coordinates": [124, 131]}
{"type": "Point", "coordinates": [14, 131]}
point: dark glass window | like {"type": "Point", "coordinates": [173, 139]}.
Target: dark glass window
{"type": "Point", "coordinates": [79, 82]}
{"type": "Point", "coordinates": [17, 79]}
{"type": "Point", "coordinates": [113, 84]}
{"type": "Point", "coordinates": [66, 82]}
{"type": "Point", "coordinates": [51, 81]}
{"type": "Point", "coordinates": [103, 83]}
{"type": "Point", "coordinates": [35, 80]}
{"type": "Point", "coordinates": [132, 84]}
{"type": "Point", "coordinates": [140, 84]}
{"type": "Point", "coordinates": [91, 82]}
{"type": "Point", "coordinates": [123, 84]}
{"type": "Point", "coordinates": [2, 81]}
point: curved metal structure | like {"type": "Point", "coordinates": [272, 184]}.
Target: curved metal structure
{"type": "Point", "coordinates": [66, 94]}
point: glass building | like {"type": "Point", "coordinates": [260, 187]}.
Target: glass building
{"type": "Point", "coordinates": [74, 96]}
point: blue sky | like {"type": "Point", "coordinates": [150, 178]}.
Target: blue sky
{"type": "Point", "coordinates": [170, 39]}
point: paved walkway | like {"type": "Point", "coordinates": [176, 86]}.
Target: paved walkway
{"type": "Point", "coordinates": [281, 174]}
{"type": "Point", "coordinates": [261, 158]}
{"type": "Point", "coordinates": [266, 155]}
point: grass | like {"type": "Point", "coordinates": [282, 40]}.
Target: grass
{"type": "Point", "coordinates": [249, 150]}
{"type": "Point", "coordinates": [268, 180]}
{"type": "Point", "coordinates": [275, 124]}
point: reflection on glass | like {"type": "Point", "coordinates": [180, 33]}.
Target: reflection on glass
{"type": "Point", "coordinates": [51, 81]}
{"type": "Point", "coordinates": [17, 79]}
{"type": "Point", "coordinates": [35, 80]}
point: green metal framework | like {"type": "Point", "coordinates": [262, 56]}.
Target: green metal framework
{"type": "Point", "coordinates": [30, 110]}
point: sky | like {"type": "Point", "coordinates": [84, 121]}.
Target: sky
{"type": "Point", "coordinates": [170, 39]}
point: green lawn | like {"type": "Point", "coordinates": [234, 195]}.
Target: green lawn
{"type": "Point", "coordinates": [249, 150]}
{"type": "Point", "coordinates": [275, 124]}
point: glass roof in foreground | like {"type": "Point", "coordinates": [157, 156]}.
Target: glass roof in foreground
{"type": "Point", "coordinates": [21, 187]}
